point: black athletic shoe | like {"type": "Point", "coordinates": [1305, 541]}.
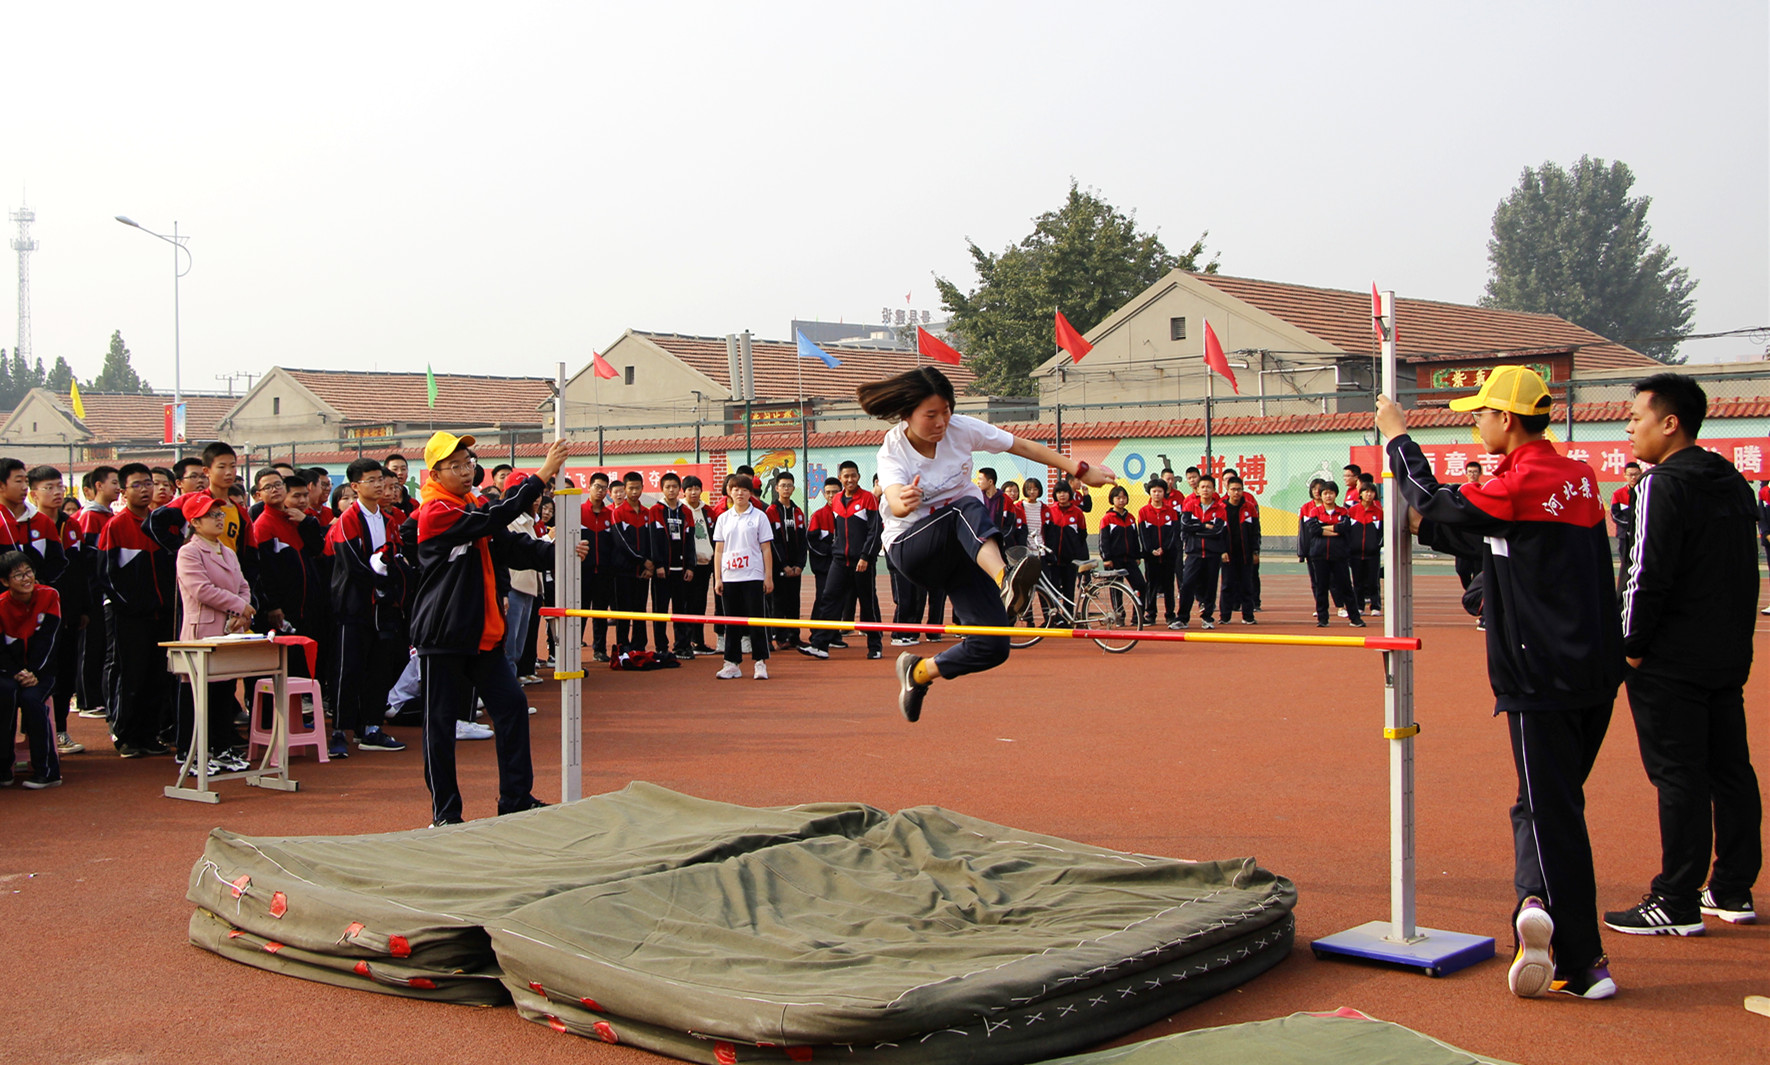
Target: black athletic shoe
{"type": "Point", "coordinates": [875, 655]}
{"type": "Point", "coordinates": [599, 656]}
{"type": "Point", "coordinates": [909, 697]}
{"type": "Point", "coordinates": [446, 822]}
{"type": "Point", "coordinates": [1018, 584]}
{"type": "Point", "coordinates": [1356, 624]}
{"type": "Point", "coordinates": [1656, 915]}
{"type": "Point", "coordinates": [376, 740]}
{"type": "Point", "coordinates": [529, 803]}
{"type": "Point", "coordinates": [1321, 624]}
{"type": "Point", "coordinates": [1734, 909]}
{"type": "Point", "coordinates": [840, 645]}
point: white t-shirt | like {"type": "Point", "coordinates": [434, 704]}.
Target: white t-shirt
{"type": "Point", "coordinates": [743, 533]}
{"type": "Point", "coordinates": [946, 477]}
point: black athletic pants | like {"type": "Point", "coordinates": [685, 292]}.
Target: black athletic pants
{"type": "Point", "coordinates": [783, 602]}
{"type": "Point", "coordinates": [66, 658]}
{"type": "Point", "coordinates": [1367, 582]}
{"type": "Point", "coordinates": [599, 594]}
{"type": "Point", "coordinates": [669, 595]}
{"type": "Point", "coordinates": [696, 603]}
{"type": "Point", "coordinates": [1161, 582]}
{"type": "Point", "coordinates": [1335, 575]}
{"type": "Point", "coordinates": [1693, 745]}
{"type": "Point", "coordinates": [369, 662]}
{"type": "Point", "coordinates": [745, 599]}
{"type": "Point", "coordinates": [94, 644]}
{"type": "Point", "coordinates": [1063, 575]}
{"type": "Point", "coordinates": [1200, 584]}
{"type": "Point", "coordinates": [1624, 544]}
{"type": "Point", "coordinates": [630, 595]}
{"type": "Point", "coordinates": [1238, 590]}
{"type": "Point", "coordinates": [32, 704]}
{"type": "Point", "coordinates": [910, 600]}
{"type": "Point", "coordinates": [449, 682]}
{"type": "Point", "coordinates": [1134, 577]}
{"type": "Point", "coordinates": [940, 551]}
{"type": "Point", "coordinates": [1553, 752]}
{"type": "Point", "coordinates": [847, 589]}
{"type": "Point", "coordinates": [224, 706]}
{"type": "Point", "coordinates": [140, 684]}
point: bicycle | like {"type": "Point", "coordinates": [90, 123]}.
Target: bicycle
{"type": "Point", "coordinates": [1103, 600]}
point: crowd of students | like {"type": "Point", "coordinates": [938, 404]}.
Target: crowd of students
{"type": "Point", "coordinates": [152, 554]}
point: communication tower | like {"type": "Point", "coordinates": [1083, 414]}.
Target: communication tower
{"type": "Point", "coordinates": [24, 245]}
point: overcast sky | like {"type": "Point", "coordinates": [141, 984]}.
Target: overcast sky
{"type": "Point", "coordinates": [494, 188]}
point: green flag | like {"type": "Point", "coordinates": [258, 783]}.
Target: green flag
{"type": "Point", "coordinates": [430, 386]}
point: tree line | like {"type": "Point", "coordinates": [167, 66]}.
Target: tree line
{"type": "Point", "coordinates": [18, 377]}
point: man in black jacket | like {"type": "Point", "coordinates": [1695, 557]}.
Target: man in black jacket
{"type": "Point", "coordinates": [1554, 655]}
{"type": "Point", "coordinates": [1687, 620]}
{"type": "Point", "coordinates": [458, 625]}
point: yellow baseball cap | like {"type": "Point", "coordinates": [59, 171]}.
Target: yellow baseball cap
{"type": "Point", "coordinates": [442, 445]}
{"type": "Point", "coordinates": [1517, 389]}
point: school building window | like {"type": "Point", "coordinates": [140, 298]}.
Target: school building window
{"type": "Point", "coordinates": [629, 375]}
{"type": "Point", "coordinates": [1176, 329]}
{"type": "Point", "coordinates": [276, 404]}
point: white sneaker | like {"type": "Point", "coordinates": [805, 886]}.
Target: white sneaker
{"type": "Point", "coordinates": [745, 646]}
{"type": "Point", "coordinates": [762, 671]}
{"type": "Point", "coordinates": [1766, 610]}
{"type": "Point", "coordinates": [532, 678]}
{"type": "Point", "coordinates": [903, 641]}
{"type": "Point", "coordinates": [1376, 613]}
{"type": "Point", "coordinates": [472, 730]}
{"type": "Point", "coordinates": [1342, 613]}
{"type": "Point", "coordinates": [719, 643]}
{"type": "Point", "coordinates": [390, 714]}
{"type": "Point", "coordinates": [64, 745]}
{"type": "Point", "coordinates": [730, 671]}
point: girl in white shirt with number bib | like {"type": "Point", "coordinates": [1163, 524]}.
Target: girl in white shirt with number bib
{"type": "Point", "coordinates": [938, 532]}
{"type": "Point", "coordinates": [743, 574]}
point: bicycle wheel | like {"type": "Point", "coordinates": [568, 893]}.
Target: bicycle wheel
{"type": "Point", "coordinates": [1099, 613]}
{"type": "Point", "coordinates": [1043, 603]}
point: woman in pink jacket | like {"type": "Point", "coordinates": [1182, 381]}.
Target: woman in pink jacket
{"type": "Point", "coordinates": [217, 601]}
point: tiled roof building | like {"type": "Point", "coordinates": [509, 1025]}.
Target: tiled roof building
{"type": "Point", "coordinates": [312, 407]}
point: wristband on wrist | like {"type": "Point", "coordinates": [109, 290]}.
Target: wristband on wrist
{"type": "Point", "coordinates": [1081, 470]}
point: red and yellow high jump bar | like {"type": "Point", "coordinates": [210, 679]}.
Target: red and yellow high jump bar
{"type": "Point", "coordinates": [1369, 643]}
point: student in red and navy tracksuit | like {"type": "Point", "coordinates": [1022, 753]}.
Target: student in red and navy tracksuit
{"type": "Point", "coordinates": [47, 495]}
{"type": "Point", "coordinates": [1329, 533]}
{"type": "Point", "coordinates": [458, 627]}
{"type": "Point", "coordinates": [1622, 513]}
{"type": "Point", "coordinates": [854, 544]}
{"type": "Point", "coordinates": [30, 620]}
{"type": "Point", "coordinates": [632, 525]}
{"type": "Point", "coordinates": [1554, 654]}
{"type": "Point", "coordinates": [672, 531]}
{"type": "Point", "coordinates": [1066, 538]}
{"type": "Point", "coordinates": [1204, 535]}
{"type": "Point", "coordinates": [289, 540]}
{"type": "Point", "coordinates": [1158, 529]}
{"type": "Point", "coordinates": [1241, 551]}
{"type": "Point", "coordinates": [820, 541]}
{"type": "Point", "coordinates": [606, 555]}
{"type": "Point", "coordinates": [1013, 517]}
{"type": "Point", "coordinates": [786, 520]}
{"type": "Point", "coordinates": [1120, 545]}
{"type": "Point", "coordinates": [128, 572]}
{"type": "Point", "coordinates": [371, 580]}
{"type": "Point", "coordinates": [100, 485]}
{"type": "Point", "coordinates": [1367, 550]}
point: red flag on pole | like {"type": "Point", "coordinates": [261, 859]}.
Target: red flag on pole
{"type": "Point", "coordinates": [1215, 359]}
{"type": "Point", "coordinates": [1070, 340]}
{"type": "Point", "coordinates": [600, 366]}
{"type": "Point", "coordinates": [1376, 311]}
{"type": "Point", "coordinates": [932, 346]}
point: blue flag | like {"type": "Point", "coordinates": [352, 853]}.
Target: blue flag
{"type": "Point", "coordinates": [808, 350]}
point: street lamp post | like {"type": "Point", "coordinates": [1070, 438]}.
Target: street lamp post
{"type": "Point", "coordinates": [177, 243]}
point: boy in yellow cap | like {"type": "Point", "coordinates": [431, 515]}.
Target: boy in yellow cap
{"type": "Point", "coordinates": [458, 625]}
{"type": "Point", "coordinates": [1554, 654]}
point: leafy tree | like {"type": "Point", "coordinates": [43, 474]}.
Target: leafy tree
{"type": "Point", "coordinates": [17, 377]}
{"type": "Point", "coordinates": [1086, 258]}
{"type": "Point", "coordinates": [118, 375]}
{"type": "Point", "coordinates": [1576, 244]}
{"type": "Point", "coordinates": [61, 375]}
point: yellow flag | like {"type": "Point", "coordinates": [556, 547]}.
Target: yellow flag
{"type": "Point", "coordinates": [74, 398]}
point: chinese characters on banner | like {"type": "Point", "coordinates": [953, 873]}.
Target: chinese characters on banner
{"type": "Point", "coordinates": [1250, 468]}
{"type": "Point", "coordinates": [1607, 458]}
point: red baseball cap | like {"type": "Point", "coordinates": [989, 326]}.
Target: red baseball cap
{"type": "Point", "coordinates": [198, 504]}
{"type": "Point", "coordinates": [514, 480]}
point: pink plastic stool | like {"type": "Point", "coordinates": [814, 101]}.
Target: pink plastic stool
{"type": "Point", "coordinates": [258, 735]}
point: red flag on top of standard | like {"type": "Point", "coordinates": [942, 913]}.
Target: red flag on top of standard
{"type": "Point", "coordinates": [600, 366]}
{"type": "Point", "coordinates": [1070, 340]}
{"type": "Point", "coordinates": [1215, 359]}
{"type": "Point", "coordinates": [933, 347]}
{"type": "Point", "coordinates": [1376, 311]}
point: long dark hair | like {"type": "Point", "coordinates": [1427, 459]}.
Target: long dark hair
{"type": "Point", "coordinates": [895, 398]}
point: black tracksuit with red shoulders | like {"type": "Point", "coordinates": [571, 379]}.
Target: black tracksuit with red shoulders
{"type": "Point", "coordinates": [1332, 558]}
{"type": "Point", "coordinates": [1065, 531]}
{"type": "Point", "coordinates": [788, 523]}
{"type": "Point", "coordinates": [1241, 541]}
{"type": "Point", "coordinates": [632, 525]}
{"type": "Point", "coordinates": [1159, 530]}
{"type": "Point", "coordinates": [855, 534]}
{"type": "Point", "coordinates": [458, 632]}
{"type": "Point", "coordinates": [1120, 546]}
{"type": "Point", "coordinates": [141, 693]}
{"type": "Point", "coordinates": [31, 629]}
{"type": "Point", "coordinates": [1554, 653]}
{"type": "Point", "coordinates": [368, 595]}
{"type": "Point", "coordinates": [1205, 537]}
{"type": "Point", "coordinates": [672, 550]}
{"type": "Point", "coordinates": [1367, 555]}
{"type": "Point", "coordinates": [609, 555]}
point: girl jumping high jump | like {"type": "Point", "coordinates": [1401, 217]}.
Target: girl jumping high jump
{"type": "Point", "coordinates": [937, 531]}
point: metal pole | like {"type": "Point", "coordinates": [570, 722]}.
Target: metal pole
{"type": "Point", "coordinates": [177, 350]}
{"type": "Point", "coordinates": [568, 665]}
{"type": "Point", "coordinates": [748, 367]}
{"type": "Point", "coordinates": [1398, 691]}
{"type": "Point", "coordinates": [1059, 446]}
{"type": "Point", "coordinates": [1570, 410]}
{"type": "Point", "coordinates": [1210, 393]}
